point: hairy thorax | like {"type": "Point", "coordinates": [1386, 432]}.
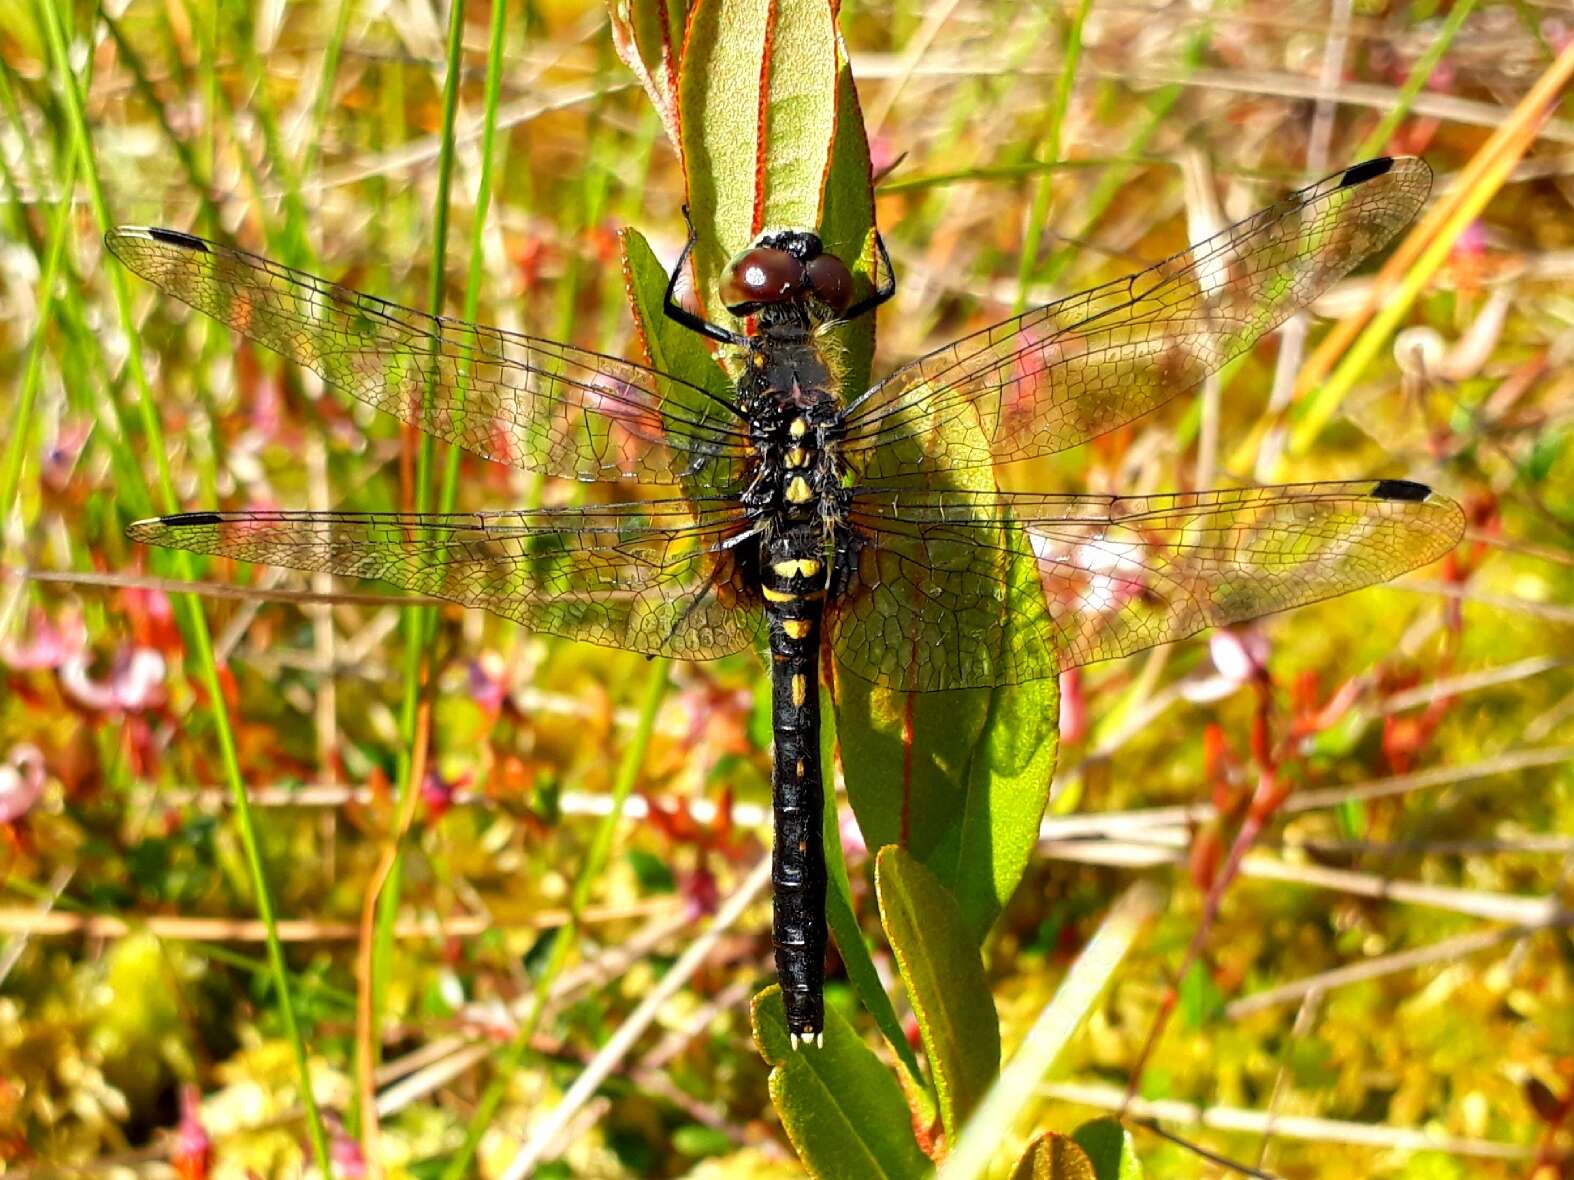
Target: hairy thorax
{"type": "Point", "coordinates": [795, 428]}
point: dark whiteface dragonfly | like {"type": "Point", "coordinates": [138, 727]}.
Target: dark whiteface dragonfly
{"type": "Point", "coordinates": [872, 526]}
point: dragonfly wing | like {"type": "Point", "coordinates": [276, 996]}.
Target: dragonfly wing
{"type": "Point", "coordinates": [1072, 370]}
{"type": "Point", "coordinates": [960, 589]}
{"type": "Point", "coordinates": [655, 577]}
{"type": "Point", "coordinates": [516, 399]}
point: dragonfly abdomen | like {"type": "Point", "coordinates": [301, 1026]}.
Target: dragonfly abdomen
{"type": "Point", "coordinates": [793, 580]}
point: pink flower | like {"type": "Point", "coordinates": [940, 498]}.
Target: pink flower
{"type": "Point", "coordinates": [46, 645]}
{"type": "Point", "coordinates": [1073, 708]}
{"type": "Point", "coordinates": [1472, 241]}
{"type": "Point", "coordinates": [135, 681]}
{"type": "Point", "coordinates": [883, 155]}
{"type": "Point", "coordinates": [1239, 657]}
{"type": "Point", "coordinates": [438, 795]}
{"type": "Point", "coordinates": [192, 1154]}
{"type": "Point", "coordinates": [853, 846]}
{"type": "Point", "coordinates": [348, 1159]}
{"type": "Point", "coordinates": [488, 681]}
{"type": "Point", "coordinates": [21, 782]}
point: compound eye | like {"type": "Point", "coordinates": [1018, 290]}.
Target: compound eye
{"type": "Point", "coordinates": [830, 280]}
{"type": "Point", "coordinates": [761, 275]}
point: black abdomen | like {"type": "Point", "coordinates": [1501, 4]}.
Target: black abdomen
{"type": "Point", "coordinates": [793, 584]}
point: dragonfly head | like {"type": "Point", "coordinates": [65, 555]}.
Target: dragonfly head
{"type": "Point", "coordinates": [786, 266]}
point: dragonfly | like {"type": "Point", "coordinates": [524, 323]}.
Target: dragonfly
{"type": "Point", "coordinates": [798, 521]}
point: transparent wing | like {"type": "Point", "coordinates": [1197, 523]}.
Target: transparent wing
{"type": "Point", "coordinates": [515, 399]}
{"type": "Point", "coordinates": [960, 589]}
{"type": "Point", "coordinates": [656, 577]}
{"type": "Point", "coordinates": [1067, 372]}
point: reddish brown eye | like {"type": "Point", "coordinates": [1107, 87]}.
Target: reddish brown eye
{"type": "Point", "coordinates": [830, 280]}
{"type": "Point", "coordinates": [761, 275]}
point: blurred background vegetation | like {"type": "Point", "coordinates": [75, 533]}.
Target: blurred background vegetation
{"type": "Point", "coordinates": [1387, 989]}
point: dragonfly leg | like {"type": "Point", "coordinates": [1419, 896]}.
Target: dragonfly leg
{"type": "Point", "coordinates": [679, 314]}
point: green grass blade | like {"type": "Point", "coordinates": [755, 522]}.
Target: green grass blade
{"type": "Point", "coordinates": [330, 71]}
{"type": "Point", "coordinates": [420, 625]}
{"type": "Point", "coordinates": [195, 179]}
{"type": "Point", "coordinates": [483, 203]}
{"type": "Point", "coordinates": [22, 423]}
{"type": "Point", "coordinates": [1039, 213]}
{"type": "Point", "coordinates": [1377, 142]}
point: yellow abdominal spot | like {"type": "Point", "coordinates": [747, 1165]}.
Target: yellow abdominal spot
{"type": "Point", "coordinates": [799, 491]}
{"type": "Point", "coordinates": [800, 690]}
{"type": "Point", "coordinates": [799, 427]}
{"type": "Point", "coordinates": [797, 457]}
{"type": "Point", "coordinates": [805, 567]}
{"type": "Point", "coordinates": [797, 628]}
{"type": "Point", "coordinates": [800, 768]}
{"type": "Point", "coordinates": [774, 595]}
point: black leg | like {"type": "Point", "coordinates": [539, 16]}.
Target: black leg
{"type": "Point", "coordinates": [682, 315]}
{"type": "Point", "coordinates": [880, 294]}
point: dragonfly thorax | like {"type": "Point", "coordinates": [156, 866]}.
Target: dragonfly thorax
{"type": "Point", "coordinates": [795, 428]}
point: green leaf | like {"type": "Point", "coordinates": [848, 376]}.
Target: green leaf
{"type": "Point", "coordinates": [959, 779]}
{"type": "Point", "coordinates": [1052, 1032]}
{"type": "Point", "coordinates": [668, 345]}
{"type": "Point", "coordinates": [646, 34]}
{"type": "Point", "coordinates": [800, 112]}
{"type": "Point", "coordinates": [847, 226]}
{"type": "Point", "coordinates": [1110, 1149]}
{"type": "Point", "coordinates": [1053, 1157]}
{"type": "Point", "coordinates": [843, 920]}
{"type": "Point", "coordinates": [945, 982]}
{"type": "Point", "coordinates": [719, 86]}
{"type": "Point", "coordinates": [757, 103]}
{"type": "Point", "coordinates": [695, 1140]}
{"type": "Point", "coordinates": [653, 874]}
{"type": "Point", "coordinates": [672, 348]}
{"type": "Point", "coordinates": [839, 1105]}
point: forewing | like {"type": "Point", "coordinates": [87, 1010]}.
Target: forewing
{"type": "Point", "coordinates": [655, 577]}
{"type": "Point", "coordinates": [963, 590]}
{"type": "Point", "coordinates": [534, 403]}
{"type": "Point", "coordinates": [1067, 372]}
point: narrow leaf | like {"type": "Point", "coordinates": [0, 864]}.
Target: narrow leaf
{"type": "Point", "coordinates": [959, 779]}
{"type": "Point", "coordinates": [720, 82]}
{"type": "Point", "coordinates": [1200, 998]}
{"type": "Point", "coordinates": [644, 37]}
{"type": "Point", "coordinates": [800, 112]}
{"type": "Point", "coordinates": [945, 982]}
{"type": "Point", "coordinates": [847, 226]}
{"type": "Point", "coordinates": [672, 348]}
{"type": "Point", "coordinates": [668, 345]}
{"type": "Point", "coordinates": [757, 95]}
{"type": "Point", "coordinates": [991, 1124]}
{"type": "Point", "coordinates": [1110, 1149]}
{"type": "Point", "coordinates": [1053, 1157]}
{"type": "Point", "coordinates": [839, 1105]}
{"type": "Point", "coordinates": [843, 920]}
